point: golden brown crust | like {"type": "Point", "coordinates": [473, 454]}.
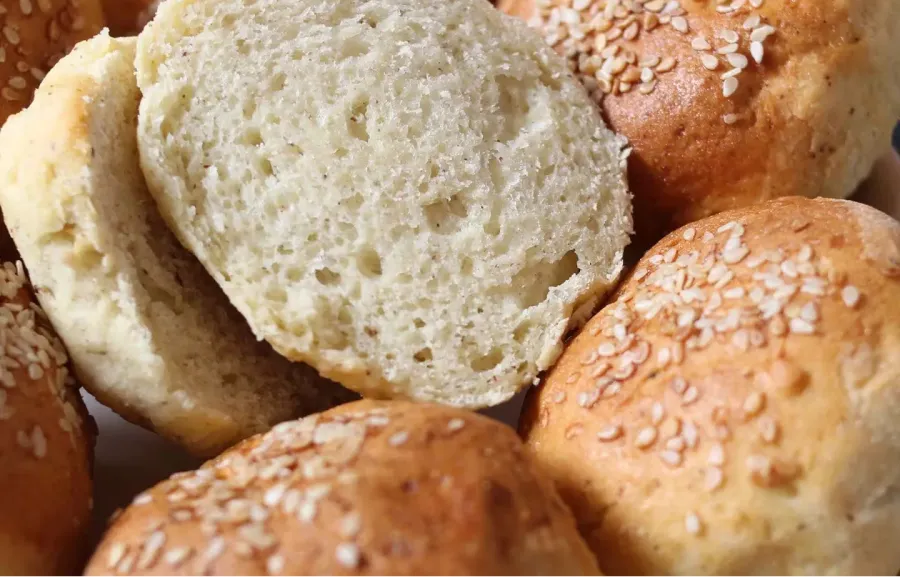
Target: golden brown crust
{"type": "Point", "coordinates": [734, 409]}
{"type": "Point", "coordinates": [34, 35]}
{"type": "Point", "coordinates": [46, 442]}
{"type": "Point", "coordinates": [809, 119]}
{"type": "Point", "coordinates": [369, 488]}
{"type": "Point", "coordinates": [128, 17]}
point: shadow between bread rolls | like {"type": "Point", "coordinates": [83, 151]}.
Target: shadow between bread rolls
{"type": "Point", "coordinates": [734, 409]}
{"type": "Point", "coordinates": [728, 104]}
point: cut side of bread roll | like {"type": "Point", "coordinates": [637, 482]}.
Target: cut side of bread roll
{"type": "Point", "coordinates": [414, 197]}
{"type": "Point", "coordinates": [150, 334]}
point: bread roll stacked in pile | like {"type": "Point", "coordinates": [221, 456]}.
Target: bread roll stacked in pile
{"type": "Point", "coordinates": [420, 201]}
{"type": "Point", "coordinates": [729, 103]}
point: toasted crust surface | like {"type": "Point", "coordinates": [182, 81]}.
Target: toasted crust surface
{"type": "Point", "coordinates": [422, 222]}
{"type": "Point", "coordinates": [810, 118]}
{"type": "Point", "coordinates": [370, 488]}
{"type": "Point", "coordinates": [36, 34]}
{"type": "Point", "coordinates": [149, 332]}
{"type": "Point", "coordinates": [46, 441]}
{"type": "Point", "coordinates": [128, 17]}
{"type": "Point", "coordinates": [734, 410]}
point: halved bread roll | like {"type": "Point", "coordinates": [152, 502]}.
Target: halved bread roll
{"type": "Point", "coordinates": [412, 196]}
{"type": "Point", "coordinates": [149, 332]}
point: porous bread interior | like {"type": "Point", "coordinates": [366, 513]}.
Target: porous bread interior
{"type": "Point", "coordinates": [149, 332]}
{"type": "Point", "coordinates": [414, 197]}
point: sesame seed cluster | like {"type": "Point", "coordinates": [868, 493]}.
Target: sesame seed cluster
{"type": "Point", "coordinates": [61, 20]}
{"type": "Point", "coordinates": [290, 474]}
{"type": "Point", "coordinates": [31, 356]}
{"type": "Point", "coordinates": [601, 42]}
{"type": "Point", "coordinates": [712, 288]}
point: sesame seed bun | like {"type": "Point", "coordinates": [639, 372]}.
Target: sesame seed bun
{"type": "Point", "coordinates": [809, 118]}
{"type": "Point", "coordinates": [369, 488]}
{"type": "Point", "coordinates": [734, 410]}
{"type": "Point", "coordinates": [34, 35]}
{"type": "Point", "coordinates": [46, 441]}
{"type": "Point", "coordinates": [128, 17]}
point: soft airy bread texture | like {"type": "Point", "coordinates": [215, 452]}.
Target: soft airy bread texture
{"type": "Point", "coordinates": [735, 410]}
{"type": "Point", "coordinates": [809, 119]}
{"type": "Point", "coordinates": [46, 442]}
{"type": "Point", "coordinates": [370, 488]}
{"type": "Point", "coordinates": [128, 17]}
{"type": "Point", "coordinates": [412, 196]}
{"type": "Point", "coordinates": [149, 332]}
{"type": "Point", "coordinates": [34, 35]}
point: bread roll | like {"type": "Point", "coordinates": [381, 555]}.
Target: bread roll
{"type": "Point", "coordinates": [34, 35]}
{"type": "Point", "coordinates": [46, 442]}
{"type": "Point", "coordinates": [150, 334]}
{"type": "Point", "coordinates": [736, 409]}
{"type": "Point", "coordinates": [414, 197]}
{"type": "Point", "coordinates": [813, 94]}
{"type": "Point", "coordinates": [128, 17]}
{"type": "Point", "coordinates": [370, 488]}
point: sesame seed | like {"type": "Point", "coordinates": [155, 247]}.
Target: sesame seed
{"type": "Point", "coordinates": [606, 349]}
{"type": "Point", "coordinates": [657, 413]}
{"type": "Point", "coordinates": [709, 61]}
{"type": "Point", "coordinates": [398, 439]}
{"type": "Point", "coordinates": [645, 437]}
{"type": "Point", "coordinates": [307, 511]}
{"type": "Point", "coordinates": [38, 442]}
{"type": "Point", "coordinates": [768, 430]}
{"type": "Point", "coordinates": [273, 495]}
{"type": "Point", "coordinates": [761, 33]}
{"type": "Point", "coordinates": [690, 395]}
{"type": "Point", "coordinates": [716, 455]}
{"type": "Point", "coordinates": [713, 478]}
{"type": "Point", "coordinates": [700, 43]}
{"type": "Point", "coordinates": [675, 444]}
{"type": "Point", "coordinates": [609, 433]}
{"type": "Point", "coordinates": [457, 424]}
{"type": "Point", "coordinates": [142, 499]}
{"type": "Point", "coordinates": [757, 52]}
{"type": "Point", "coordinates": [729, 87]}
{"type": "Point", "coordinates": [351, 525]}
{"type": "Point", "coordinates": [679, 385]}
{"type": "Point", "coordinates": [753, 404]}
{"type": "Point", "coordinates": [801, 327]}
{"type": "Point", "coordinates": [175, 557]}
{"type": "Point", "coordinates": [751, 22]}
{"type": "Point", "coordinates": [115, 554]}
{"type": "Point", "coordinates": [729, 118]}
{"type": "Point", "coordinates": [692, 524]}
{"type": "Point", "coordinates": [738, 61]}
{"type": "Point", "coordinates": [671, 458]}
{"type": "Point", "coordinates": [850, 295]}
{"type": "Point", "coordinates": [348, 555]}
{"type": "Point", "coordinates": [680, 24]}
{"type": "Point", "coordinates": [689, 434]}
{"type": "Point", "coordinates": [152, 548]}
{"type": "Point", "coordinates": [275, 565]}
{"type": "Point", "coordinates": [729, 36]}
